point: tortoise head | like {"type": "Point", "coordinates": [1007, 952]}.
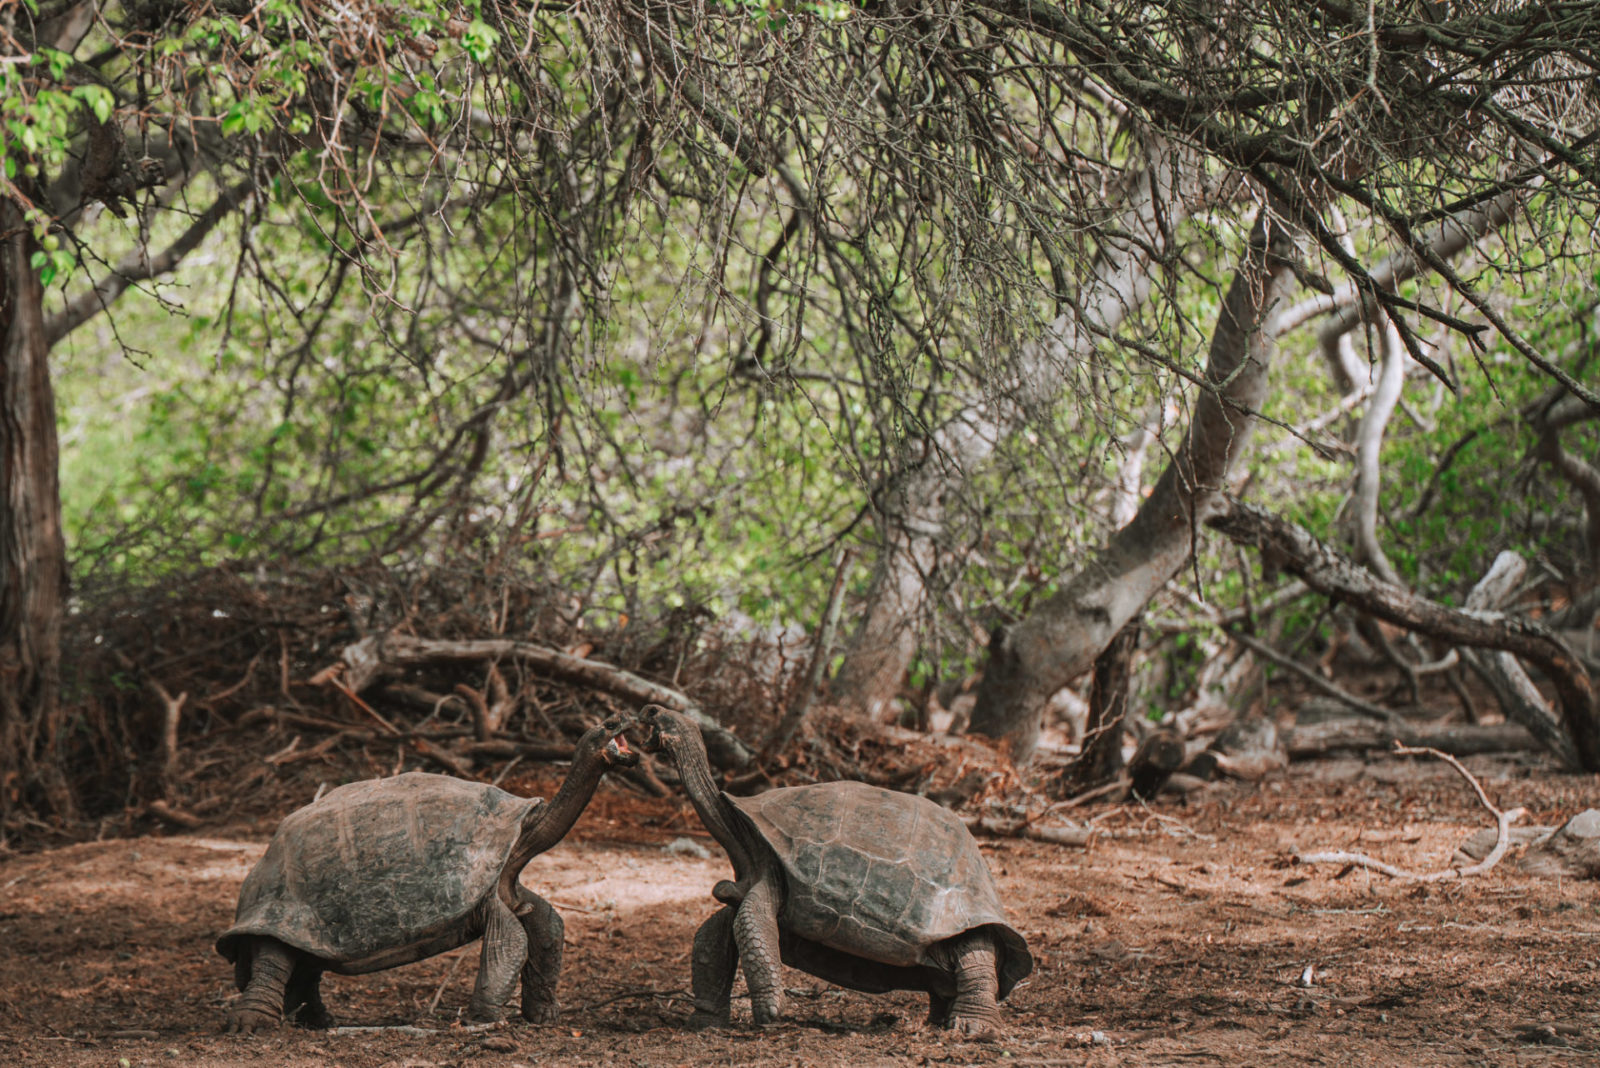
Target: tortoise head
{"type": "Point", "coordinates": [609, 741]}
{"type": "Point", "coordinates": [666, 730]}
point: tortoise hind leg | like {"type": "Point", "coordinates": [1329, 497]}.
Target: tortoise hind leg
{"type": "Point", "coordinates": [975, 1010]}
{"type": "Point", "coordinates": [302, 1001]}
{"type": "Point", "coordinates": [542, 968]}
{"type": "Point", "coordinates": [262, 970]}
{"type": "Point", "coordinates": [715, 961]}
{"type": "Point", "coordinates": [505, 951]}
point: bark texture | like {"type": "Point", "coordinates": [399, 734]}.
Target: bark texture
{"type": "Point", "coordinates": [33, 573]}
{"type": "Point", "coordinates": [1061, 639]}
{"type": "Point", "coordinates": [912, 512]}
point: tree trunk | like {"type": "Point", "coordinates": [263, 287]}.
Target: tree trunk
{"type": "Point", "coordinates": [33, 572]}
{"type": "Point", "coordinates": [1060, 640]}
{"type": "Point", "coordinates": [912, 512]}
{"type": "Point", "coordinates": [1369, 453]}
{"type": "Point", "coordinates": [1101, 759]}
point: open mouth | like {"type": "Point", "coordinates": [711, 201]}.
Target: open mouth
{"type": "Point", "coordinates": [620, 752]}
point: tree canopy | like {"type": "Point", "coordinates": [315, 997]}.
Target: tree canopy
{"type": "Point", "coordinates": [658, 303]}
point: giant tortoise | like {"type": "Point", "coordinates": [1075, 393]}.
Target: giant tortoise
{"type": "Point", "coordinates": [868, 888]}
{"type": "Point", "coordinates": [389, 871]}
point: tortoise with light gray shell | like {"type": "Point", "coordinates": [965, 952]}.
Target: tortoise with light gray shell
{"type": "Point", "coordinates": [866, 888]}
{"type": "Point", "coordinates": [389, 871]}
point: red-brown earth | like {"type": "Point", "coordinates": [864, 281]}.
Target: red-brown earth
{"type": "Point", "coordinates": [1182, 935]}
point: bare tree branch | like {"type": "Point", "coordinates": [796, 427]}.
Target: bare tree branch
{"type": "Point", "coordinates": [137, 266]}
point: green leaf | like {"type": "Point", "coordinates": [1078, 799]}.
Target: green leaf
{"type": "Point", "coordinates": [98, 99]}
{"type": "Point", "coordinates": [233, 120]}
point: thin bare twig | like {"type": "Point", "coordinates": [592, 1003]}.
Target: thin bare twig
{"type": "Point", "coordinates": [1502, 841]}
{"type": "Point", "coordinates": [819, 660]}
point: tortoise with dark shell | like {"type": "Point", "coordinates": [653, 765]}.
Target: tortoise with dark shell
{"type": "Point", "coordinates": [388, 871]}
{"type": "Point", "coordinates": [867, 888]}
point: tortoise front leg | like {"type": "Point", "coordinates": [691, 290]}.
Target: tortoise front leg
{"type": "Point", "coordinates": [755, 928]}
{"type": "Point", "coordinates": [261, 1004]}
{"type": "Point", "coordinates": [975, 1012]}
{"type": "Point", "coordinates": [505, 951]}
{"type": "Point", "coordinates": [542, 969]}
{"type": "Point", "coordinates": [716, 960]}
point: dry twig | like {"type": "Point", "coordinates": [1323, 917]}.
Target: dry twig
{"type": "Point", "coordinates": [1503, 822]}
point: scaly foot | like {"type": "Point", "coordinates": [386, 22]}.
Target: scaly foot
{"type": "Point", "coordinates": [245, 1021]}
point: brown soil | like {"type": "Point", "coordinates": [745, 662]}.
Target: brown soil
{"type": "Point", "coordinates": [1180, 937]}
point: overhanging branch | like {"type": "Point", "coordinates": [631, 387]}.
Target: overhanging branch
{"type": "Point", "coordinates": [137, 266]}
{"type": "Point", "coordinates": [1332, 574]}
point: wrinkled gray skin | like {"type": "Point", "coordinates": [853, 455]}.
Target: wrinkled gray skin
{"type": "Point", "coordinates": [866, 888]}
{"type": "Point", "coordinates": [389, 871]}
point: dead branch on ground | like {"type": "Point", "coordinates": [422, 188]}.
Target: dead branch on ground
{"type": "Point", "coordinates": [1335, 735]}
{"type": "Point", "coordinates": [994, 827]}
{"type": "Point", "coordinates": [1503, 822]}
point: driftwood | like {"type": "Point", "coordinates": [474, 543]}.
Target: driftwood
{"type": "Point", "coordinates": [1350, 733]}
{"type": "Point", "coordinates": [368, 658]}
{"type": "Point", "coordinates": [1502, 840]}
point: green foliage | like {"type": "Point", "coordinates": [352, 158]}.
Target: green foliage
{"type": "Point", "coordinates": [500, 301]}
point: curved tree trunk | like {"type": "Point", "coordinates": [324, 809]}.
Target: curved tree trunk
{"type": "Point", "coordinates": [33, 573]}
{"type": "Point", "coordinates": [1061, 639]}
{"type": "Point", "coordinates": [912, 512]}
{"type": "Point", "coordinates": [1369, 450]}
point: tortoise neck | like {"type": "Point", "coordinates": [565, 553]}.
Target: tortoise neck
{"type": "Point", "coordinates": [547, 824]}
{"type": "Point", "coordinates": [710, 803]}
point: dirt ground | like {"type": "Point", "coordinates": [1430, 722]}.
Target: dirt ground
{"type": "Point", "coordinates": [1181, 936]}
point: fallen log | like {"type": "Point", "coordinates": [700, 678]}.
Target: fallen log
{"type": "Point", "coordinates": [994, 827]}
{"type": "Point", "coordinates": [368, 658]}
{"type": "Point", "coordinates": [1352, 733]}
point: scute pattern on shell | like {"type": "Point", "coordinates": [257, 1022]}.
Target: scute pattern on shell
{"type": "Point", "coordinates": [880, 874]}
{"type": "Point", "coordinates": [381, 872]}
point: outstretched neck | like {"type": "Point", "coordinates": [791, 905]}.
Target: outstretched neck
{"type": "Point", "coordinates": [713, 808]}
{"type": "Point", "coordinates": [547, 824]}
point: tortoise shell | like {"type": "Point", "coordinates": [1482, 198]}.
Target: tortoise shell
{"type": "Point", "coordinates": [881, 874]}
{"type": "Point", "coordinates": [382, 872]}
